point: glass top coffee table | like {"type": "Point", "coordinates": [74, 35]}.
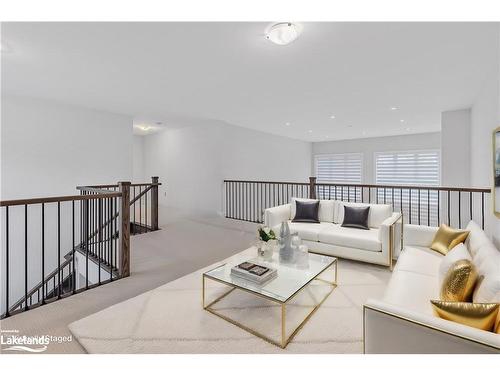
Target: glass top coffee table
{"type": "Point", "coordinates": [291, 279]}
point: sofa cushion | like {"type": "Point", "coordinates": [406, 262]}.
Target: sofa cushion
{"type": "Point", "coordinates": [412, 290]}
{"type": "Point", "coordinates": [378, 213]}
{"type": "Point", "coordinates": [326, 208]}
{"type": "Point", "coordinates": [459, 252]}
{"type": "Point", "coordinates": [351, 237]}
{"type": "Point", "coordinates": [486, 256]}
{"type": "Point", "coordinates": [306, 231]}
{"type": "Point", "coordinates": [306, 212]}
{"type": "Point", "coordinates": [476, 238]}
{"type": "Point", "coordinates": [356, 217]}
{"type": "Point", "coordinates": [419, 260]}
{"type": "Point", "coordinates": [488, 286]}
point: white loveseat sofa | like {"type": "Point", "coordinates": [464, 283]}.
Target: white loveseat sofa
{"type": "Point", "coordinates": [378, 245]}
{"type": "Point", "coordinates": [403, 320]}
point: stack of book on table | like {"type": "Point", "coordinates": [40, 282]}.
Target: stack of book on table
{"type": "Point", "coordinates": [253, 272]}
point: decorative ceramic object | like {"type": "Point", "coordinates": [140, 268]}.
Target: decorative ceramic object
{"type": "Point", "coordinates": [285, 243]}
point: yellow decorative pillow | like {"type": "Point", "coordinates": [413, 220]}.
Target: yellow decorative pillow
{"type": "Point", "coordinates": [447, 238]}
{"type": "Point", "coordinates": [477, 315]}
{"type": "Point", "coordinates": [459, 281]}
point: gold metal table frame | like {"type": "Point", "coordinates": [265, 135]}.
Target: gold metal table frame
{"type": "Point", "coordinates": [284, 339]}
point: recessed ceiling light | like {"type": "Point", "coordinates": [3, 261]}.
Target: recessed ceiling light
{"type": "Point", "coordinates": [332, 116]}
{"type": "Point", "coordinates": [309, 131]}
{"type": "Point", "coordinates": [283, 33]}
{"type": "Point", "coordinates": [287, 123]}
{"type": "Point", "coordinates": [401, 120]}
{"type": "Point", "coordinates": [394, 108]}
{"type": "Point", "coordinates": [144, 127]}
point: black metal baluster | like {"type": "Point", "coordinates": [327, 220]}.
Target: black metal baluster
{"type": "Point", "coordinates": [134, 206]}
{"type": "Point", "coordinates": [449, 216]}
{"type": "Point", "coordinates": [58, 250]}
{"type": "Point", "coordinates": [392, 193]}
{"type": "Point", "coordinates": [439, 207]}
{"type": "Point", "coordinates": [428, 207]}
{"type": "Point", "coordinates": [146, 209]}
{"type": "Point", "coordinates": [385, 190]}
{"type": "Point", "coordinates": [459, 210]}
{"type": "Point", "coordinates": [419, 196]}
{"type": "Point", "coordinates": [86, 233]}
{"type": "Point", "coordinates": [7, 261]}
{"type": "Point", "coordinates": [409, 207]}
{"type": "Point", "coordinates": [140, 207]}
{"type": "Point", "coordinates": [73, 274]}
{"type": "Point", "coordinates": [112, 216]}
{"type": "Point", "coordinates": [43, 253]}
{"type": "Point", "coordinates": [470, 204]}
{"type": "Point", "coordinates": [99, 248]}
{"type": "Point", "coordinates": [26, 257]}
{"type": "Point", "coordinates": [401, 200]}
{"type": "Point", "coordinates": [482, 210]}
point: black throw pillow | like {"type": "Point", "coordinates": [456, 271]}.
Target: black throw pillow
{"type": "Point", "coordinates": [356, 217]}
{"type": "Point", "coordinates": [306, 212]}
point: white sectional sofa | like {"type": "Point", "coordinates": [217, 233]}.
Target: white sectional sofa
{"type": "Point", "coordinates": [403, 320]}
{"type": "Point", "coordinates": [378, 245]}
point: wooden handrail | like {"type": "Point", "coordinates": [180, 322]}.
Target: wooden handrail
{"type": "Point", "coordinates": [116, 186]}
{"type": "Point", "coordinates": [373, 186]}
{"type": "Point", "coordinates": [65, 198]}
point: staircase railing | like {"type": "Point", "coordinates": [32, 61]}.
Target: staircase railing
{"type": "Point", "coordinates": [96, 227]}
{"type": "Point", "coordinates": [425, 205]}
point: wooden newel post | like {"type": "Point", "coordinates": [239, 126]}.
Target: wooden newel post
{"type": "Point", "coordinates": [312, 187]}
{"type": "Point", "coordinates": [124, 229]}
{"type": "Point", "coordinates": [154, 203]}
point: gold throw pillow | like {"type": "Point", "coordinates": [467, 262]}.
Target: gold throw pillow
{"type": "Point", "coordinates": [447, 238]}
{"type": "Point", "coordinates": [459, 281]}
{"type": "Point", "coordinates": [477, 315]}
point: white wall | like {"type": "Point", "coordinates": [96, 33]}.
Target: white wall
{"type": "Point", "coordinates": [455, 148]}
{"type": "Point", "coordinates": [485, 115]}
{"type": "Point", "coordinates": [47, 149]}
{"type": "Point", "coordinates": [193, 161]}
{"type": "Point", "coordinates": [138, 160]}
{"type": "Point", "coordinates": [368, 146]}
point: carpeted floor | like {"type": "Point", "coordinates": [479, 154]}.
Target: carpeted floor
{"type": "Point", "coordinates": [170, 319]}
{"type": "Point", "coordinates": [185, 243]}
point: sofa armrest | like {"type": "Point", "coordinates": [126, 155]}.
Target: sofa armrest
{"type": "Point", "coordinates": [393, 329]}
{"type": "Point", "coordinates": [419, 235]}
{"type": "Point", "coordinates": [276, 215]}
{"type": "Point", "coordinates": [390, 236]}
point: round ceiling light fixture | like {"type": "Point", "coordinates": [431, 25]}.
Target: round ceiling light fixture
{"type": "Point", "coordinates": [283, 33]}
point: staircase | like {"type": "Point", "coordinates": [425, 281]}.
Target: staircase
{"type": "Point", "coordinates": [102, 219]}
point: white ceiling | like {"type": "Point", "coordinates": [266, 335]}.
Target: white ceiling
{"type": "Point", "coordinates": [179, 73]}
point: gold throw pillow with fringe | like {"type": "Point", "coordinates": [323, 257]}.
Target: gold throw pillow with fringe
{"type": "Point", "coordinates": [447, 238]}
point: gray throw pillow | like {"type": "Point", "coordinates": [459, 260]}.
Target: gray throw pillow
{"type": "Point", "coordinates": [356, 217]}
{"type": "Point", "coordinates": [306, 212]}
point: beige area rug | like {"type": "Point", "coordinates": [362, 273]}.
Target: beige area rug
{"type": "Point", "coordinates": [170, 319]}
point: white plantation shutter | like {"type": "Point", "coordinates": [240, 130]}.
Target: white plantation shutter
{"type": "Point", "coordinates": [410, 168]}
{"type": "Point", "coordinates": [341, 169]}
{"type": "Point", "coordinates": [420, 168]}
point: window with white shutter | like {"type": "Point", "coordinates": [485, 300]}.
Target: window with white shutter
{"type": "Point", "coordinates": [345, 168]}
{"type": "Point", "coordinates": [409, 168]}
